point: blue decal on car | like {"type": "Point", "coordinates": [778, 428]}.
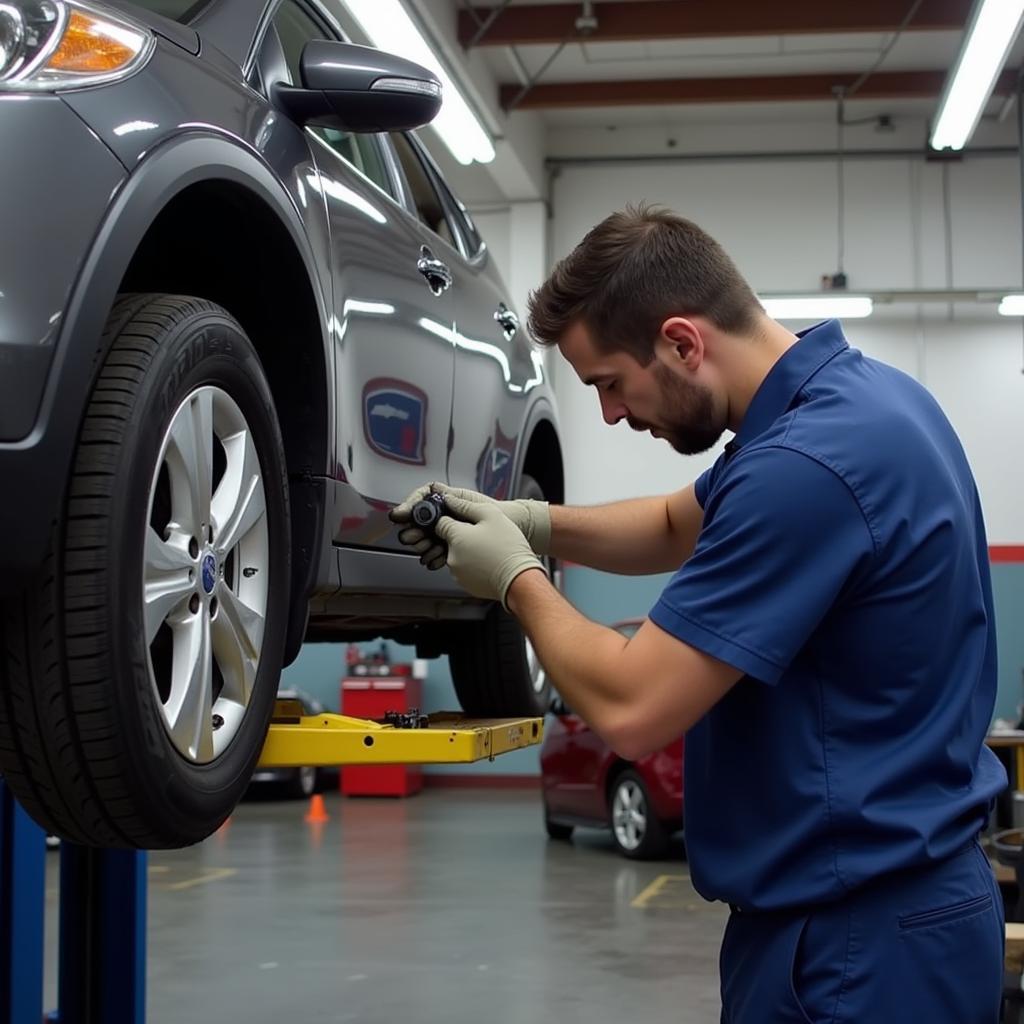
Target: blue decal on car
{"type": "Point", "coordinates": [494, 467]}
{"type": "Point", "coordinates": [395, 420]}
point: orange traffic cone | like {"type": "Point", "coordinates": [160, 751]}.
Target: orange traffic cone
{"type": "Point", "coordinates": [317, 812]}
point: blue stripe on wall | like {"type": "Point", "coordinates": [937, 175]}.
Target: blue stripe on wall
{"type": "Point", "coordinates": [607, 598]}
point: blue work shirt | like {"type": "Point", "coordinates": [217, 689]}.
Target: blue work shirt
{"type": "Point", "coordinates": [842, 565]}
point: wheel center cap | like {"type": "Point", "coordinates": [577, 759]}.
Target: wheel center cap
{"type": "Point", "coordinates": [209, 570]}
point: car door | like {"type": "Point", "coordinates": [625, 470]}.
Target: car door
{"type": "Point", "coordinates": [495, 366]}
{"type": "Point", "coordinates": [573, 774]}
{"type": "Point", "coordinates": [393, 317]}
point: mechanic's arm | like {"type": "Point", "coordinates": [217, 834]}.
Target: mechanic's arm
{"type": "Point", "coordinates": [636, 537]}
{"type": "Point", "coordinates": [637, 694]}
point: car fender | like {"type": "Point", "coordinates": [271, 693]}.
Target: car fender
{"type": "Point", "coordinates": [542, 409]}
{"type": "Point", "coordinates": [173, 166]}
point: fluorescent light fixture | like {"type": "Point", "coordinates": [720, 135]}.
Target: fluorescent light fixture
{"type": "Point", "coordinates": [1012, 305]}
{"type": "Point", "coordinates": [991, 34]}
{"type": "Point", "coordinates": [818, 307]}
{"type": "Point", "coordinates": [388, 25]}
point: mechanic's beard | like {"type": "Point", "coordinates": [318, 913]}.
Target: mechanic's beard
{"type": "Point", "coordinates": [688, 412]}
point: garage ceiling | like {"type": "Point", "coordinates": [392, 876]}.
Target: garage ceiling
{"type": "Point", "coordinates": [692, 60]}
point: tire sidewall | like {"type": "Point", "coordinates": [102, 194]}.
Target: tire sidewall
{"type": "Point", "coordinates": [530, 489]}
{"type": "Point", "coordinates": [205, 348]}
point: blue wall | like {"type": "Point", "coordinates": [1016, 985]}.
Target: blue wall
{"type": "Point", "coordinates": [606, 598]}
{"type": "Point", "coordinates": [603, 597]}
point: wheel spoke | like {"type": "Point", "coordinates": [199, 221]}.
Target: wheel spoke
{"type": "Point", "coordinates": [166, 579]}
{"type": "Point", "coordinates": [190, 708]}
{"type": "Point", "coordinates": [190, 459]}
{"type": "Point", "coordinates": [237, 641]}
{"type": "Point", "coordinates": [239, 503]}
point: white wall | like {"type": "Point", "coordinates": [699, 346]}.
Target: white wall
{"type": "Point", "coordinates": [777, 219]}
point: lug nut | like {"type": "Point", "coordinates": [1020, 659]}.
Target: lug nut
{"type": "Point", "coordinates": [213, 607]}
{"type": "Point", "coordinates": [193, 603]}
{"type": "Point", "coordinates": [193, 547]}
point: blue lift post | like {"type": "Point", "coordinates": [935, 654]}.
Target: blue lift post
{"type": "Point", "coordinates": [22, 903]}
{"type": "Point", "coordinates": [102, 960]}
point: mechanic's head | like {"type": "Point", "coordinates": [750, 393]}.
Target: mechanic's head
{"type": "Point", "coordinates": [644, 309]}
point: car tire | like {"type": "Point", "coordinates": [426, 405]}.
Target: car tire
{"type": "Point", "coordinates": [557, 831]}
{"type": "Point", "coordinates": [304, 783]}
{"type": "Point", "coordinates": [138, 672]}
{"type": "Point", "coordinates": [495, 671]}
{"type": "Point", "coordinates": [638, 832]}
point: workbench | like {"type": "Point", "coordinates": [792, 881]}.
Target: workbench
{"type": "Point", "coordinates": [1014, 740]}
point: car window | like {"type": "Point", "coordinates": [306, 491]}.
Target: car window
{"type": "Point", "coordinates": [473, 243]}
{"type": "Point", "coordinates": [428, 205]}
{"type": "Point", "coordinates": [363, 152]}
{"type": "Point", "coordinates": [295, 28]}
{"type": "Point", "coordinates": [469, 231]}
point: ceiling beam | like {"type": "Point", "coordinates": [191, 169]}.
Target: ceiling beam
{"type": "Point", "coordinates": [669, 19]}
{"type": "Point", "coordinates": [887, 85]}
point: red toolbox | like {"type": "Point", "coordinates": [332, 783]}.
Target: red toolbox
{"type": "Point", "coordinates": [373, 697]}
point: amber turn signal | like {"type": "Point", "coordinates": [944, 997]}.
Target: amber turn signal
{"type": "Point", "coordinates": [92, 46]}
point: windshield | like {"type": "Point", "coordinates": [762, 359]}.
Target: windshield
{"type": "Point", "coordinates": [179, 10]}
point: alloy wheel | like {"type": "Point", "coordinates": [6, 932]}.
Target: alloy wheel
{"type": "Point", "coordinates": [205, 574]}
{"type": "Point", "coordinates": [629, 815]}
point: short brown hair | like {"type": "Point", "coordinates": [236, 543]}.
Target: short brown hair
{"type": "Point", "coordinates": [634, 270]}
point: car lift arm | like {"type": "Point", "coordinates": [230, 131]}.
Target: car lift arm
{"type": "Point", "coordinates": [296, 740]}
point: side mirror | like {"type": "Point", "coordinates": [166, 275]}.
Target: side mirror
{"type": "Point", "coordinates": [359, 89]}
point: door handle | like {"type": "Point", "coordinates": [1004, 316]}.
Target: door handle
{"type": "Point", "coordinates": [436, 271]}
{"type": "Point", "coordinates": [507, 321]}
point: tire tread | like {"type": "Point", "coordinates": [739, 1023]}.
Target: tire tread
{"type": "Point", "coordinates": [59, 744]}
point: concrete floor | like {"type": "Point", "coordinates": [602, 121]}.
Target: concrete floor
{"type": "Point", "coordinates": [448, 907]}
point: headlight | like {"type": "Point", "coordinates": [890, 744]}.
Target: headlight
{"type": "Point", "coordinates": [61, 44]}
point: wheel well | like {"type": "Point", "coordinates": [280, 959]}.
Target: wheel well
{"type": "Point", "coordinates": [219, 241]}
{"type": "Point", "coordinates": [616, 768]}
{"type": "Point", "coordinates": [544, 462]}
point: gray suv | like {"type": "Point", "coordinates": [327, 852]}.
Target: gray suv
{"type": "Point", "coordinates": [241, 315]}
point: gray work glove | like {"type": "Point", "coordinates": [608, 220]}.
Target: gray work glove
{"type": "Point", "coordinates": [486, 550]}
{"type": "Point", "coordinates": [533, 518]}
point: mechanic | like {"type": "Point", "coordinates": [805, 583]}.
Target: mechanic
{"type": "Point", "coordinates": [826, 643]}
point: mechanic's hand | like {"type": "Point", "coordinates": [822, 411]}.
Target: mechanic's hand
{"type": "Point", "coordinates": [432, 553]}
{"type": "Point", "coordinates": [486, 550]}
{"type": "Point", "coordinates": [533, 518]}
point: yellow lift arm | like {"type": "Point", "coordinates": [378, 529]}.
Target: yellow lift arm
{"type": "Point", "coordinates": [297, 740]}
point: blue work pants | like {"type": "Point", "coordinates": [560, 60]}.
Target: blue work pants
{"type": "Point", "coordinates": [924, 946]}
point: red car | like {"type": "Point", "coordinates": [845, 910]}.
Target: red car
{"type": "Point", "coordinates": [586, 783]}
